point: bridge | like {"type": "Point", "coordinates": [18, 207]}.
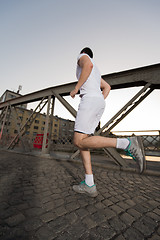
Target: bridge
{"type": "Point", "coordinates": [147, 77]}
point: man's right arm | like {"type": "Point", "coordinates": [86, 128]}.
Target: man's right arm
{"type": "Point", "coordinates": [86, 65]}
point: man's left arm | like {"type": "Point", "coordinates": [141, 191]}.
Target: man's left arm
{"type": "Point", "coordinates": [105, 88]}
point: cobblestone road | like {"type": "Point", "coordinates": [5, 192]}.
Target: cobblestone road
{"type": "Point", "coordinates": [37, 202]}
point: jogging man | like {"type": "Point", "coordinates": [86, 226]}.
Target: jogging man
{"type": "Point", "coordinates": [93, 92]}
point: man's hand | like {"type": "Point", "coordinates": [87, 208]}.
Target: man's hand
{"type": "Point", "coordinates": [74, 92]}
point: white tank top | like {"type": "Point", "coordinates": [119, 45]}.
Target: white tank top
{"type": "Point", "coordinates": [92, 85]}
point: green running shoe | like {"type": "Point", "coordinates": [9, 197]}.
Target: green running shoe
{"type": "Point", "coordinates": [84, 188]}
{"type": "Point", "coordinates": [136, 151]}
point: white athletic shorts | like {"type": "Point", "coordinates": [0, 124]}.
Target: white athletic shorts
{"type": "Point", "coordinates": [89, 113]}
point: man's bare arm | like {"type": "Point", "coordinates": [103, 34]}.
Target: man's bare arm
{"type": "Point", "coordinates": [86, 65]}
{"type": "Point", "coordinates": [105, 88]}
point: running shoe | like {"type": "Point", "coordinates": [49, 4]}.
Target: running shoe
{"type": "Point", "coordinates": [136, 151]}
{"type": "Point", "coordinates": [84, 188]}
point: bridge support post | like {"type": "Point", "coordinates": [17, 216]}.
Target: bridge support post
{"type": "Point", "coordinates": [45, 149]}
{"type": "Point", "coordinates": [4, 121]}
{"type": "Point", "coordinates": [51, 124]}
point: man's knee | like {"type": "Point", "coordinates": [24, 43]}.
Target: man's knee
{"type": "Point", "coordinates": [76, 142]}
{"type": "Point", "coordinates": [78, 139]}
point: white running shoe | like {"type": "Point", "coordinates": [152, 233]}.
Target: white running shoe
{"type": "Point", "coordinates": [84, 188]}
{"type": "Point", "coordinates": [136, 151]}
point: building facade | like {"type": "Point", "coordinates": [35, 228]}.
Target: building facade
{"type": "Point", "coordinates": [7, 95]}
{"type": "Point", "coordinates": [62, 129]}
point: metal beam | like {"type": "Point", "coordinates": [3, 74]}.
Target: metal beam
{"type": "Point", "coordinates": [123, 109]}
{"type": "Point", "coordinates": [129, 78]}
{"type": "Point", "coordinates": [3, 113]}
{"type": "Point", "coordinates": [66, 104]}
{"type": "Point", "coordinates": [27, 124]}
{"type": "Point", "coordinates": [15, 116]}
{"type": "Point", "coordinates": [135, 77]}
{"type": "Point", "coordinates": [45, 149]}
{"type": "Point", "coordinates": [129, 110]}
{"type": "Point", "coordinates": [4, 121]}
{"type": "Point", "coordinates": [51, 123]}
{"type": "Point", "coordinates": [115, 156]}
{"type": "Point", "coordinates": [37, 96]}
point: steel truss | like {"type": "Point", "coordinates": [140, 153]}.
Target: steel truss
{"type": "Point", "coordinates": [119, 116]}
{"type": "Point", "coordinates": [22, 129]}
{"type": "Point", "coordinates": [145, 76]}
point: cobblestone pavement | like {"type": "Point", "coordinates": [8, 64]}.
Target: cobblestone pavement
{"type": "Point", "coordinates": [37, 202]}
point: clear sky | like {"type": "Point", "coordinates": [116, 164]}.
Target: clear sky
{"type": "Point", "coordinates": [40, 41]}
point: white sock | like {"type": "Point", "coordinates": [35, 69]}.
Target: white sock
{"type": "Point", "coordinates": [89, 180]}
{"type": "Point", "coordinates": [122, 143]}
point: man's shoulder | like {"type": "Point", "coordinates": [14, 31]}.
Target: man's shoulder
{"type": "Point", "coordinates": [84, 57]}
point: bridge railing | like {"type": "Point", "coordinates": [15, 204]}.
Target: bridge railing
{"type": "Point", "coordinates": [151, 142]}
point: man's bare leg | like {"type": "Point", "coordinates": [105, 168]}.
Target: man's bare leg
{"type": "Point", "coordinates": [82, 141]}
{"type": "Point", "coordinates": [86, 158]}
{"type": "Point", "coordinates": [85, 153]}
{"type": "Point", "coordinates": [87, 142]}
